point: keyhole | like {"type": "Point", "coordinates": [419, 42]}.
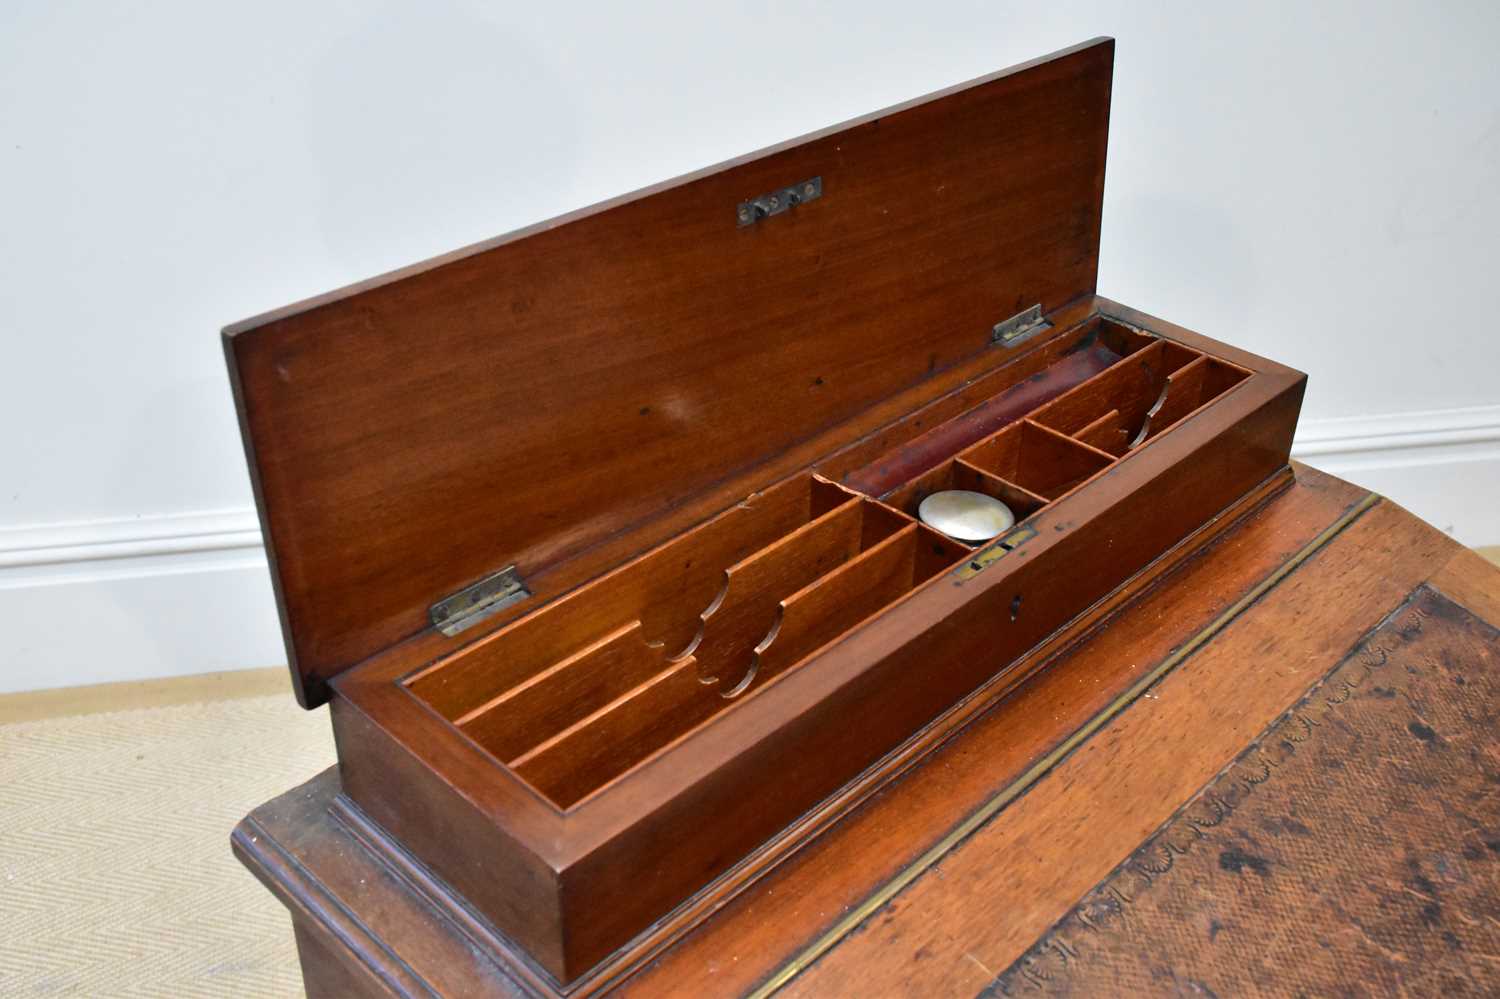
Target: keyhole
{"type": "Point", "coordinates": [1015, 607]}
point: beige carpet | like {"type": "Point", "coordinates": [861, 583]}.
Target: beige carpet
{"type": "Point", "coordinates": [115, 872]}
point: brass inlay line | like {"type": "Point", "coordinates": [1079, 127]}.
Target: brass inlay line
{"type": "Point", "coordinates": [1016, 788]}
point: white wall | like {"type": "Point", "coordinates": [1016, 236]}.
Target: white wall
{"type": "Point", "coordinates": [1313, 182]}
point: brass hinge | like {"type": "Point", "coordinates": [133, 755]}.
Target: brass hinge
{"type": "Point", "coordinates": [1018, 327]}
{"type": "Point", "coordinates": [474, 603]}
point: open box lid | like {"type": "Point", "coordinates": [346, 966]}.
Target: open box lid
{"type": "Point", "coordinates": [520, 402]}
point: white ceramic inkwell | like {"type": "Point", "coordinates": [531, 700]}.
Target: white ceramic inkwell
{"type": "Point", "coordinates": [965, 516]}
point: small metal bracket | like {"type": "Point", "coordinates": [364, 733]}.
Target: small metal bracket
{"type": "Point", "coordinates": [474, 603]}
{"type": "Point", "coordinates": [1019, 326]}
{"type": "Point", "coordinates": [752, 211]}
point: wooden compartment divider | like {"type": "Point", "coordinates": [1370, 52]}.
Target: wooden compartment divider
{"type": "Point", "coordinates": [1179, 396]}
{"type": "Point", "coordinates": [565, 693]}
{"type": "Point", "coordinates": [826, 608]}
{"type": "Point", "coordinates": [1051, 450]}
{"type": "Point", "coordinates": [1028, 383]}
{"type": "Point", "coordinates": [1220, 377]}
{"type": "Point", "coordinates": [559, 725]}
{"type": "Point", "coordinates": [571, 764]}
{"type": "Point", "coordinates": [1103, 431]}
{"type": "Point", "coordinates": [577, 694]}
{"type": "Point", "coordinates": [746, 606]}
{"type": "Point", "coordinates": [831, 604]}
{"type": "Point", "coordinates": [611, 740]}
{"type": "Point", "coordinates": [1189, 389]}
{"type": "Point", "coordinates": [1131, 388]}
{"type": "Point", "coordinates": [957, 473]}
{"type": "Point", "coordinates": [1037, 458]}
{"type": "Point", "coordinates": [665, 589]}
{"type": "Point", "coordinates": [1022, 502]}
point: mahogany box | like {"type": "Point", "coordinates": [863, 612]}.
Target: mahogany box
{"type": "Point", "coordinates": [599, 538]}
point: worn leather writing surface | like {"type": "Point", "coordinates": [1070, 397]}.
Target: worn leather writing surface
{"type": "Point", "coordinates": [1353, 848]}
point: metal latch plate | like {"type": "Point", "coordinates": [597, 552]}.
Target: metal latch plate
{"type": "Point", "coordinates": [997, 550]}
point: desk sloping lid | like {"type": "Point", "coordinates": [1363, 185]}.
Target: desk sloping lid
{"type": "Point", "coordinates": [519, 401]}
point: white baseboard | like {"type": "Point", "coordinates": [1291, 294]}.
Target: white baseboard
{"type": "Point", "coordinates": [134, 599]}
{"type": "Point", "coordinates": [178, 594]}
{"type": "Point", "coordinates": [1442, 465]}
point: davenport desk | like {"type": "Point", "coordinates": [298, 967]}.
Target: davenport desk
{"type": "Point", "coordinates": [615, 547]}
{"type": "Point", "coordinates": [1276, 770]}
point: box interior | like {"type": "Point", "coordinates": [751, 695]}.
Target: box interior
{"type": "Point", "coordinates": [583, 688]}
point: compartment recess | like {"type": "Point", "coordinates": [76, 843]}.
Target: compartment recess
{"type": "Point", "coordinates": [576, 693]}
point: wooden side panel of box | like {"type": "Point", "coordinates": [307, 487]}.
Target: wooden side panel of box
{"type": "Point", "coordinates": [496, 873]}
